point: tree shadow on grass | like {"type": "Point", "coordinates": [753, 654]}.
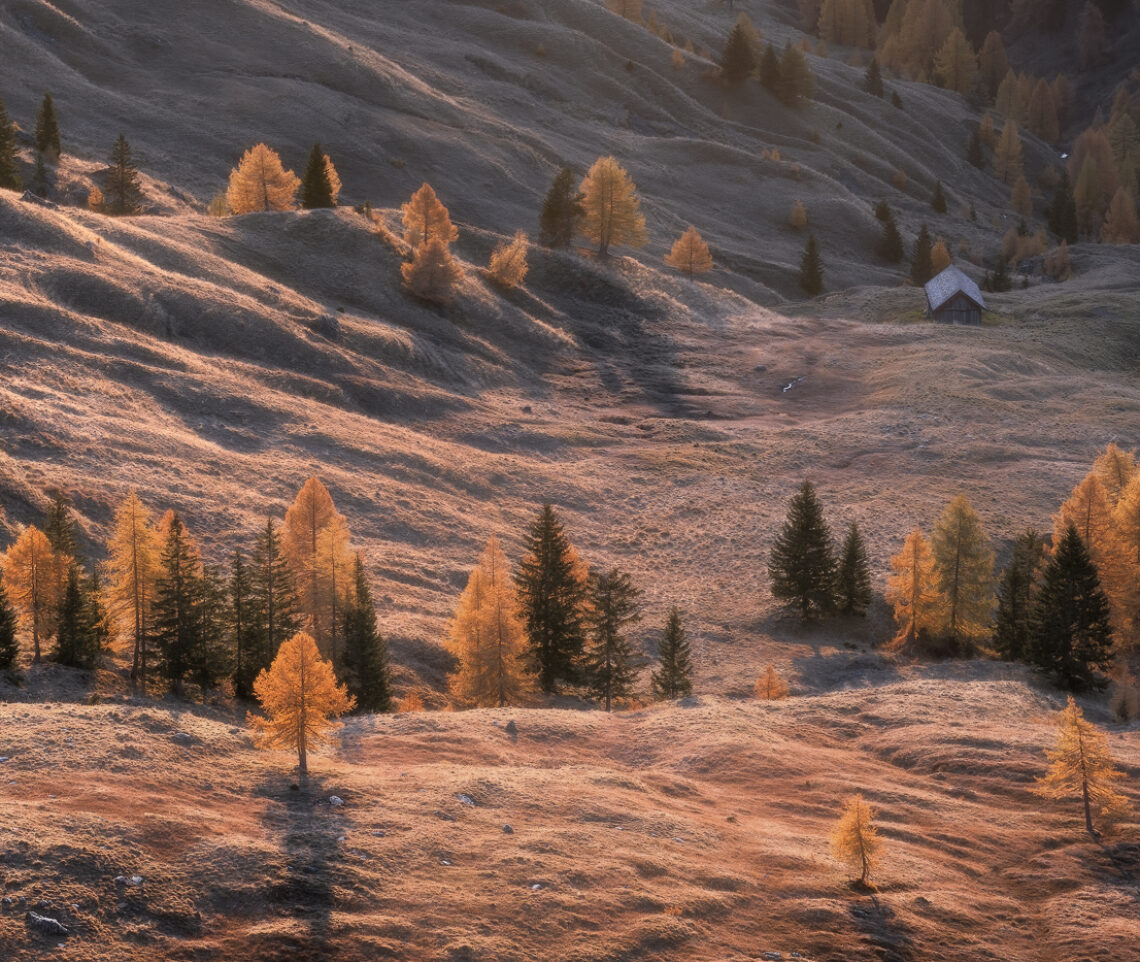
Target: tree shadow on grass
{"type": "Point", "coordinates": [307, 827]}
{"type": "Point", "coordinates": [881, 928]}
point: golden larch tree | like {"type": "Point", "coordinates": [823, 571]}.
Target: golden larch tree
{"type": "Point", "coordinates": [611, 207]}
{"type": "Point", "coordinates": [487, 637]}
{"type": "Point", "coordinates": [855, 839]}
{"type": "Point", "coordinates": [939, 256]}
{"type": "Point", "coordinates": [798, 218]}
{"type": "Point", "coordinates": [1089, 510]}
{"type": "Point", "coordinates": [133, 564]}
{"type": "Point", "coordinates": [335, 561]}
{"type": "Point", "coordinates": [1121, 225]}
{"type": "Point", "coordinates": [771, 686]}
{"type": "Point", "coordinates": [311, 512]}
{"type": "Point", "coordinates": [913, 590]}
{"type": "Point", "coordinates": [630, 9]}
{"type": "Point", "coordinates": [964, 565]}
{"type": "Point", "coordinates": [333, 179]}
{"type": "Point", "coordinates": [956, 64]}
{"type": "Point", "coordinates": [260, 182]}
{"type": "Point", "coordinates": [1115, 468]}
{"type": "Point", "coordinates": [1081, 766]}
{"type": "Point", "coordinates": [426, 219]}
{"type": "Point", "coordinates": [301, 699]}
{"type": "Point", "coordinates": [1041, 114]}
{"type": "Point", "coordinates": [33, 585]}
{"type": "Point", "coordinates": [1021, 197]}
{"type": "Point", "coordinates": [432, 273]}
{"type": "Point", "coordinates": [508, 265]}
{"type": "Point", "coordinates": [1007, 154]}
{"type": "Point", "coordinates": [690, 253]}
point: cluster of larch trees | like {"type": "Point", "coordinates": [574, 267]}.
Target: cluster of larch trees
{"type": "Point", "coordinates": [185, 621]}
{"type": "Point", "coordinates": [552, 623]}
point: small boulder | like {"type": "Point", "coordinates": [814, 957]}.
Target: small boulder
{"type": "Point", "coordinates": [512, 730]}
{"type": "Point", "coordinates": [45, 924]}
{"type": "Point", "coordinates": [336, 801]}
{"type": "Point", "coordinates": [466, 800]}
{"type": "Point", "coordinates": [183, 738]}
{"type": "Point", "coordinates": [508, 830]}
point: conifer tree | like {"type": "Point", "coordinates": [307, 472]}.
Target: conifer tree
{"type": "Point", "coordinates": [365, 652]}
{"type": "Point", "coordinates": [1072, 633]}
{"type": "Point", "coordinates": [552, 597]}
{"type": "Point", "coordinates": [32, 588]}
{"type": "Point", "coordinates": [179, 607]}
{"type": "Point", "coordinates": [1007, 154]}
{"type": "Point", "coordinates": [300, 695]}
{"type": "Point", "coordinates": [913, 591]}
{"type": "Point", "coordinates": [487, 636]}
{"type": "Point", "coordinates": [798, 218]}
{"type": "Point", "coordinates": [1121, 225]}
{"type": "Point", "coordinates": [610, 202]}
{"type": "Point", "coordinates": [508, 266]}
{"type": "Point", "coordinates": [426, 219]}
{"type": "Point", "coordinates": [939, 257]}
{"type": "Point", "coordinates": [82, 630]}
{"type": "Point", "coordinates": [314, 558]}
{"type": "Point", "coordinates": [1115, 468]}
{"type": "Point", "coordinates": [432, 273]}
{"type": "Point", "coordinates": [674, 677]}
{"type": "Point", "coordinates": [855, 840]}
{"type": "Point", "coordinates": [811, 269]}
{"type": "Point", "coordinates": [9, 645]}
{"type": "Point", "coordinates": [891, 244]}
{"type": "Point", "coordinates": [240, 622]}
{"type": "Point", "coordinates": [690, 253]}
{"type": "Point", "coordinates": [993, 64]}
{"type": "Point", "coordinates": [738, 61]}
{"type": "Point", "coordinates": [134, 557]}
{"type": "Point", "coordinates": [1016, 596]}
{"type": "Point", "coordinates": [975, 154]}
{"type": "Point", "coordinates": [964, 565]}
{"type": "Point", "coordinates": [795, 76]}
{"type": "Point", "coordinates": [1021, 198]}
{"type": "Point", "coordinates": [261, 183]}
{"type": "Point", "coordinates": [938, 199]}
{"type": "Point", "coordinates": [47, 131]}
{"type": "Point", "coordinates": [1081, 766]}
{"type": "Point", "coordinates": [614, 606]}
{"type": "Point", "coordinates": [1041, 116]}
{"type": "Point", "coordinates": [802, 564]}
{"type": "Point", "coordinates": [123, 195]}
{"type": "Point", "coordinates": [274, 615]}
{"type": "Point", "coordinates": [9, 162]}
{"type": "Point", "coordinates": [853, 582]}
{"type": "Point", "coordinates": [211, 656]}
{"type": "Point", "coordinates": [921, 266]}
{"type": "Point", "coordinates": [873, 79]}
{"type": "Point", "coordinates": [770, 70]}
{"type": "Point", "coordinates": [562, 211]}
{"type": "Point", "coordinates": [771, 686]}
{"type": "Point", "coordinates": [316, 185]}
{"type": "Point", "coordinates": [955, 63]}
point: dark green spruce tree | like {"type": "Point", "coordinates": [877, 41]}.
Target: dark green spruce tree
{"type": "Point", "coordinates": [1071, 634]}
{"type": "Point", "coordinates": [365, 653]}
{"type": "Point", "coordinates": [674, 676]}
{"type": "Point", "coordinates": [61, 528]}
{"type": "Point", "coordinates": [9, 646]}
{"type": "Point", "coordinates": [9, 163]}
{"type": "Point", "coordinates": [975, 154]}
{"type": "Point", "coordinates": [81, 625]}
{"type": "Point", "coordinates": [1016, 594]}
{"type": "Point", "coordinates": [938, 198]}
{"type": "Point", "coordinates": [802, 564]}
{"type": "Point", "coordinates": [891, 245]}
{"type": "Point", "coordinates": [123, 195]}
{"type": "Point", "coordinates": [211, 657]}
{"type": "Point", "coordinates": [561, 211]}
{"type": "Point", "coordinates": [1062, 213]}
{"type": "Point", "coordinates": [47, 130]}
{"type": "Point", "coordinates": [873, 80]}
{"type": "Point", "coordinates": [796, 79]}
{"type": "Point", "coordinates": [738, 61]}
{"type": "Point", "coordinates": [316, 190]}
{"type": "Point", "coordinates": [811, 268]}
{"type": "Point", "coordinates": [614, 606]}
{"type": "Point", "coordinates": [770, 71]}
{"type": "Point", "coordinates": [273, 615]}
{"type": "Point", "coordinates": [551, 598]}
{"type": "Point", "coordinates": [853, 593]}
{"type": "Point", "coordinates": [240, 623]}
{"type": "Point", "coordinates": [921, 264]}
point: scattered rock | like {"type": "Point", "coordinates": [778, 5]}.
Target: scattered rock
{"type": "Point", "coordinates": [378, 833]}
{"type": "Point", "coordinates": [327, 326]}
{"type": "Point", "coordinates": [3, 758]}
{"type": "Point", "coordinates": [336, 801]}
{"type": "Point", "coordinates": [7, 901]}
{"type": "Point", "coordinates": [466, 800]}
{"type": "Point", "coordinates": [512, 730]}
{"type": "Point", "coordinates": [508, 830]}
{"type": "Point", "coordinates": [771, 955]}
{"type": "Point", "coordinates": [536, 886]}
{"type": "Point", "coordinates": [526, 409]}
{"type": "Point", "coordinates": [183, 738]}
{"type": "Point", "coordinates": [134, 881]}
{"type": "Point", "coordinates": [45, 924]}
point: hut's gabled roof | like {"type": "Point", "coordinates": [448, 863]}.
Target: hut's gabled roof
{"type": "Point", "coordinates": [950, 282]}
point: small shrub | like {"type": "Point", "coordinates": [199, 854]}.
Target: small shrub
{"type": "Point", "coordinates": [1058, 265]}
{"type": "Point", "coordinates": [798, 218]}
{"type": "Point", "coordinates": [508, 265]}
{"type": "Point", "coordinates": [219, 206]}
{"type": "Point", "coordinates": [899, 179]}
{"type": "Point", "coordinates": [96, 201]}
{"type": "Point", "coordinates": [412, 701]}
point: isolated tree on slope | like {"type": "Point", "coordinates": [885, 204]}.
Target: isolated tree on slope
{"type": "Point", "coordinates": [426, 219]}
{"type": "Point", "coordinates": [432, 273]}
{"type": "Point", "coordinates": [690, 253]}
{"type": "Point", "coordinates": [614, 606]}
{"type": "Point", "coordinates": [610, 203]}
{"type": "Point", "coordinates": [365, 653]}
{"type": "Point", "coordinates": [9, 165]}
{"type": "Point", "coordinates": [771, 686]}
{"type": "Point", "coordinates": [1072, 632]}
{"type": "Point", "coordinates": [47, 131]}
{"type": "Point", "coordinates": [873, 79]}
{"type": "Point", "coordinates": [551, 581]}
{"type": "Point", "coordinates": [320, 185]}
{"type": "Point", "coordinates": [964, 564]}
{"type": "Point", "coordinates": [508, 266]}
{"type": "Point", "coordinates": [802, 564]}
{"type": "Point", "coordinates": [123, 195]}
{"type": "Point", "coordinates": [1081, 765]}
{"type": "Point", "coordinates": [913, 591]}
{"type": "Point", "coordinates": [853, 594]}
{"type": "Point", "coordinates": [28, 569]}
{"type": "Point", "coordinates": [1017, 592]}
{"type": "Point", "coordinates": [9, 646]}
{"type": "Point", "coordinates": [938, 198]}
{"type": "Point", "coordinates": [921, 265]}
{"type": "Point", "coordinates": [261, 183]}
{"type": "Point", "coordinates": [738, 60]}
{"type": "Point", "coordinates": [891, 245]}
{"type": "Point", "coordinates": [562, 211]}
{"type": "Point", "coordinates": [674, 676]}
{"type": "Point", "coordinates": [487, 636]}
{"type": "Point", "coordinates": [811, 269]}
{"type": "Point", "coordinates": [301, 697]}
{"type": "Point", "coordinates": [134, 552]}
{"type": "Point", "coordinates": [855, 840]}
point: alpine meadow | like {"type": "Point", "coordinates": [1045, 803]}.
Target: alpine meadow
{"type": "Point", "coordinates": [570, 480]}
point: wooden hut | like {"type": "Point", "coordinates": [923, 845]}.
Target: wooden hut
{"type": "Point", "coordinates": [952, 298]}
